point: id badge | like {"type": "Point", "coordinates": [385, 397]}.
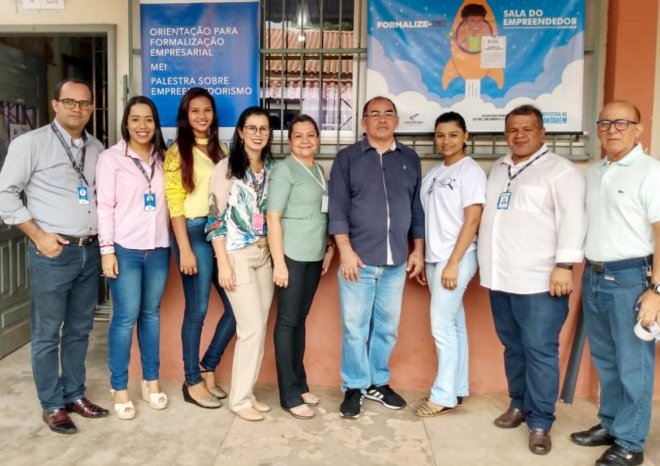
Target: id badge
{"type": "Point", "coordinates": [257, 222]}
{"type": "Point", "coordinates": [149, 201]}
{"type": "Point", "coordinates": [324, 204]}
{"type": "Point", "coordinates": [83, 195]}
{"type": "Point", "coordinates": [504, 200]}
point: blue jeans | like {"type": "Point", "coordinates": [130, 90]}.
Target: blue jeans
{"type": "Point", "coordinates": [370, 311]}
{"type": "Point", "coordinates": [449, 332]}
{"type": "Point", "coordinates": [528, 326]}
{"type": "Point", "coordinates": [196, 290]}
{"type": "Point", "coordinates": [136, 295]}
{"type": "Point", "coordinates": [64, 293]}
{"type": "Point", "coordinates": [625, 364]}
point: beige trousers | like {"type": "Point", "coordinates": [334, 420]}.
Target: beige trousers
{"type": "Point", "coordinates": [250, 301]}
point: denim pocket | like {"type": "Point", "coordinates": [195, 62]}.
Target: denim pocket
{"type": "Point", "coordinates": [45, 257]}
{"type": "Point", "coordinates": [197, 222]}
{"type": "Point", "coordinates": [627, 278]}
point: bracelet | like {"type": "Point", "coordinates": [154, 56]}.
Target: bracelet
{"type": "Point", "coordinates": [564, 265]}
{"type": "Point", "coordinates": [329, 246]}
{"type": "Point", "coordinates": [655, 287]}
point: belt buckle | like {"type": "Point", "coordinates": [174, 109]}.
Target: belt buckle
{"type": "Point", "coordinates": [82, 241]}
{"type": "Point", "coordinates": [597, 266]}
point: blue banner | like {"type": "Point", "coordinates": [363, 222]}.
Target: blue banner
{"type": "Point", "coordinates": [214, 44]}
{"type": "Point", "coordinates": [480, 58]}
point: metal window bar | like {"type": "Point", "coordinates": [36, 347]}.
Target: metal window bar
{"type": "Point", "coordinates": [313, 63]}
{"type": "Point", "coordinates": [482, 146]}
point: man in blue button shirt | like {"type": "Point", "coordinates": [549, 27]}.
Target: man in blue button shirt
{"type": "Point", "coordinates": [375, 209]}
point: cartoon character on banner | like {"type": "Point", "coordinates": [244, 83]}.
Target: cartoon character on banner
{"type": "Point", "coordinates": [473, 20]}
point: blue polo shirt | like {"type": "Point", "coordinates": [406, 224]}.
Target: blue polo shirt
{"type": "Point", "coordinates": [367, 192]}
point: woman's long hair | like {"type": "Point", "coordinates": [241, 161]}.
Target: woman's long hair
{"type": "Point", "coordinates": [157, 141]}
{"type": "Point", "coordinates": [238, 159]}
{"type": "Point", "coordinates": [185, 136]}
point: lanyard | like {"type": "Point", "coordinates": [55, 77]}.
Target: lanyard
{"type": "Point", "coordinates": [78, 168]}
{"type": "Point", "coordinates": [139, 165]}
{"type": "Point", "coordinates": [320, 180]}
{"type": "Point", "coordinates": [511, 178]}
{"type": "Point", "coordinates": [258, 186]}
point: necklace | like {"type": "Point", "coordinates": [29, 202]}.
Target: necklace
{"type": "Point", "coordinates": [202, 141]}
{"type": "Point", "coordinates": [320, 180]}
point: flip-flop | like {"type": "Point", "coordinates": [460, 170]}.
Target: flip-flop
{"type": "Point", "coordinates": [425, 409]}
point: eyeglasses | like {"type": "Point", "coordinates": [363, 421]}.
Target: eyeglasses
{"type": "Point", "coordinates": [252, 130]}
{"type": "Point", "coordinates": [376, 114]}
{"type": "Point", "coordinates": [619, 125]}
{"type": "Point", "coordinates": [70, 104]}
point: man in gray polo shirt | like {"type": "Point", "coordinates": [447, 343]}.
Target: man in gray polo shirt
{"type": "Point", "coordinates": [55, 167]}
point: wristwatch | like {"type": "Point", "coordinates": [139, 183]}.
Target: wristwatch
{"type": "Point", "coordinates": [655, 287]}
{"type": "Point", "coordinates": [564, 265]}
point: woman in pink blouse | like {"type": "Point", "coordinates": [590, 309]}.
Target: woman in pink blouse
{"type": "Point", "coordinates": [134, 240]}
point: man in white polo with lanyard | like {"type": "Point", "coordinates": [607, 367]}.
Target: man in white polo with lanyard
{"type": "Point", "coordinates": [531, 234]}
{"type": "Point", "coordinates": [55, 167]}
{"type": "Point", "coordinates": [621, 284]}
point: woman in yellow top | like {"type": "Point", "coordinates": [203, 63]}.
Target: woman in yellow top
{"type": "Point", "coordinates": [189, 163]}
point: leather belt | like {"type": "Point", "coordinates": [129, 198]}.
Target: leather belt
{"type": "Point", "coordinates": [262, 242]}
{"type": "Point", "coordinates": [82, 241]}
{"type": "Point", "coordinates": [635, 262]}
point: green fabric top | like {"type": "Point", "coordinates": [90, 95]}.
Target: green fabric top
{"type": "Point", "coordinates": [296, 192]}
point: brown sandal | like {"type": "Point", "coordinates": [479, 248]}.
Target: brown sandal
{"type": "Point", "coordinates": [427, 408]}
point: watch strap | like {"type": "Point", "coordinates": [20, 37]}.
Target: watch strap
{"type": "Point", "coordinates": [655, 287]}
{"type": "Point", "coordinates": [564, 265]}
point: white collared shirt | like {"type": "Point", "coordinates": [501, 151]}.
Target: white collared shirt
{"type": "Point", "coordinates": [544, 224]}
{"type": "Point", "coordinates": [623, 201]}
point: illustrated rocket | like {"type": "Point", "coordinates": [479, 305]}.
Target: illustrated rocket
{"type": "Point", "coordinates": [473, 20]}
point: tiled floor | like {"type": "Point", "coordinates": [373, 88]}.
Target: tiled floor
{"type": "Point", "coordinates": [187, 435]}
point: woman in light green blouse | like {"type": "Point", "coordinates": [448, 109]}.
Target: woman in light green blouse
{"type": "Point", "coordinates": [297, 236]}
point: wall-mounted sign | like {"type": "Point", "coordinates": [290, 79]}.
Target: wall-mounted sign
{"type": "Point", "coordinates": [43, 4]}
{"type": "Point", "coordinates": [210, 44]}
{"type": "Point", "coordinates": [480, 58]}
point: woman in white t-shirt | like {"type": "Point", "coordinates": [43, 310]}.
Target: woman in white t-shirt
{"type": "Point", "coordinates": [453, 194]}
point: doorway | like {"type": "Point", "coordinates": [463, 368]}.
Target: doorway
{"type": "Point", "coordinates": [32, 64]}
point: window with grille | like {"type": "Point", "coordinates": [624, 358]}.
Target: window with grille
{"type": "Point", "coordinates": [311, 56]}
{"type": "Point", "coordinates": [313, 60]}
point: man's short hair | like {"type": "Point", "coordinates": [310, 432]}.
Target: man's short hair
{"type": "Point", "coordinates": [526, 110]}
{"type": "Point", "coordinates": [58, 87]}
{"type": "Point", "coordinates": [373, 99]}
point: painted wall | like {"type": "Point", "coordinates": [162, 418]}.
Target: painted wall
{"type": "Point", "coordinates": [630, 74]}
{"type": "Point", "coordinates": [630, 70]}
{"type": "Point", "coordinates": [413, 362]}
